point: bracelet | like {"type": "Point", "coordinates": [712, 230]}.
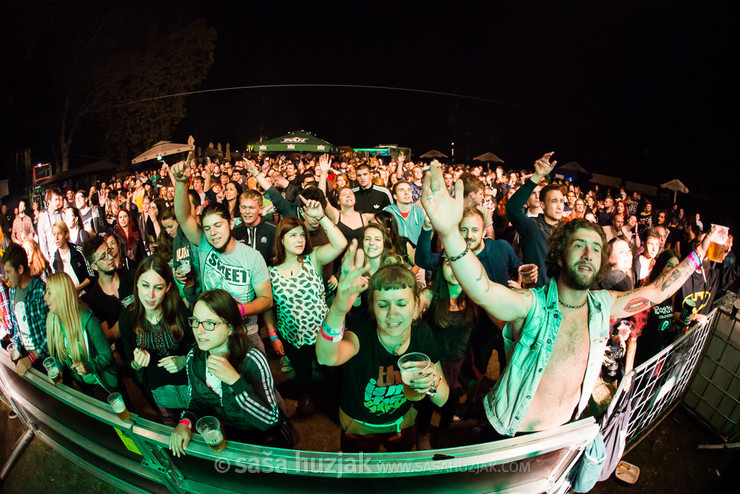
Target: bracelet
{"type": "Point", "coordinates": [31, 357]}
{"type": "Point", "coordinates": [460, 256]}
{"type": "Point", "coordinates": [186, 422]}
{"type": "Point", "coordinates": [242, 310]}
{"type": "Point", "coordinates": [433, 392]}
{"type": "Point", "coordinates": [331, 334]}
{"type": "Point", "coordinates": [272, 332]}
{"type": "Point", "coordinates": [273, 337]}
{"type": "Point", "coordinates": [694, 260]}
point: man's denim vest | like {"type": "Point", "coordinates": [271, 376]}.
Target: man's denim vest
{"type": "Point", "coordinates": [508, 402]}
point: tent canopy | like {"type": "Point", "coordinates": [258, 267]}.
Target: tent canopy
{"type": "Point", "coordinates": [675, 185]}
{"type": "Point", "coordinates": [488, 157]}
{"type": "Point", "coordinates": [650, 190]}
{"type": "Point", "coordinates": [433, 154]}
{"type": "Point", "coordinates": [607, 180]}
{"type": "Point", "coordinates": [94, 168]}
{"type": "Point", "coordinates": [164, 148]}
{"type": "Point", "coordinates": [300, 141]}
{"type": "Point", "coordinates": [573, 166]}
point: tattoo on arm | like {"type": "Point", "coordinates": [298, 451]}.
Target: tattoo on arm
{"type": "Point", "coordinates": [637, 304]}
{"type": "Point", "coordinates": [675, 276]}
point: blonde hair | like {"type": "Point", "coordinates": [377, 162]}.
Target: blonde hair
{"type": "Point", "coordinates": [62, 227]}
{"type": "Point", "coordinates": [68, 323]}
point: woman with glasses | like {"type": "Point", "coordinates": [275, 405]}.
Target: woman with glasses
{"type": "Point", "coordinates": [155, 338]}
{"type": "Point", "coordinates": [229, 379]}
{"type": "Point", "coordinates": [76, 341]}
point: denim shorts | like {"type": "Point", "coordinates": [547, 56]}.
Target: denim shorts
{"type": "Point", "coordinates": [172, 396]}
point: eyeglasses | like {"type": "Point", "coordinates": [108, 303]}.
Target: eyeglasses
{"type": "Point", "coordinates": [207, 325]}
{"type": "Point", "coordinates": [103, 256]}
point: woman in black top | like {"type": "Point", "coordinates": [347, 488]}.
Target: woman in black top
{"type": "Point", "coordinates": [156, 340]}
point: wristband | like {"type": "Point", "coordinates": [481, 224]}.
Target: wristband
{"type": "Point", "coordinates": [694, 260]}
{"type": "Point", "coordinates": [331, 334]}
{"type": "Point", "coordinates": [242, 310]}
{"type": "Point", "coordinates": [186, 422]}
{"type": "Point", "coordinates": [273, 337]}
{"type": "Point", "coordinates": [31, 358]}
{"type": "Point", "coordinates": [459, 256]}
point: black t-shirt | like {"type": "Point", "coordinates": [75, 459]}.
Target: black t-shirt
{"type": "Point", "coordinates": [657, 333]}
{"type": "Point", "coordinates": [453, 341]}
{"type": "Point", "coordinates": [372, 390]}
{"type": "Point", "coordinates": [108, 308]}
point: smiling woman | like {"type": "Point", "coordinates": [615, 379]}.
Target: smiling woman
{"type": "Point", "coordinates": [155, 338]}
{"type": "Point", "coordinates": [374, 407]}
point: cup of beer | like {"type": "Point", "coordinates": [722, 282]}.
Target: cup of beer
{"type": "Point", "coordinates": [13, 351]}
{"type": "Point", "coordinates": [184, 269]}
{"type": "Point", "coordinates": [717, 243]}
{"type": "Point", "coordinates": [210, 429]}
{"type": "Point", "coordinates": [411, 364]}
{"type": "Point", "coordinates": [115, 400]}
{"type": "Point", "coordinates": [529, 275]}
{"type": "Point", "coordinates": [55, 375]}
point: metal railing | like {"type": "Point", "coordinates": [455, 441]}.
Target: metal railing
{"type": "Point", "coordinates": [714, 393]}
{"type": "Point", "coordinates": [134, 456]}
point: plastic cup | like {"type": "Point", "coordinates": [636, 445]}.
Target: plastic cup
{"type": "Point", "coordinates": [13, 351]}
{"type": "Point", "coordinates": [717, 242]}
{"type": "Point", "coordinates": [210, 429]}
{"type": "Point", "coordinates": [185, 269]}
{"type": "Point", "coordinates": [55, 375]}
{"type": "Point", "coordinates": [410, 365]}
{"type": "Point", "coordinates": [528, 272]}
{"type": "Point", "coordinates": [115, 400]}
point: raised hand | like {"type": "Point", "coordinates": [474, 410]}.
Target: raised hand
{"type": "Point", "coordinates": [252, 167]}
{"type": "Point", "coordinates": [444, 212]}
{"type": "Point", "coordinates": [221, 368]}
{"type": "Point", "coordinates": [325, 163]}
{"type": "Point", "coordinates": [543, 166]}
{"type": "Point", "coordinates": [351, 282]}
{"type": "Point", "coordinates": [311, 208]}
{"type": "Point", "coordinates": [181, 172]}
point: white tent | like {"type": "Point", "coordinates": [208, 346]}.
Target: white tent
{"type": "Point", "coordinates": [164, 148]}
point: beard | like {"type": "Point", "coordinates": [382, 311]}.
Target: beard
{"type": "Point", "coordinates": [222, 249]}
{"type": "Point", "coordinates": [577, 280]}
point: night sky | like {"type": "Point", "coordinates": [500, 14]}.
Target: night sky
{"type": "Point", "coordinates": [642, 90]}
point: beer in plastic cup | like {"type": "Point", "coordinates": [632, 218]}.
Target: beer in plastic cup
{"type": "Point", "coordinates": [410, 365]}
{"type": "Point", "coordinates": [185, 269]}
{"type": "Point", "coordinates": [13, 351]}
{"type": "Point", "coordinates": [716, 250]}
{"type": "Point", "coordinates": [115, 400]}
{"type": "Point", "coordinates": [210, 429]}
{"type": "Point", "coordinates": [528, 271]}
{"type": "Point", "coordinates": [55, 375]}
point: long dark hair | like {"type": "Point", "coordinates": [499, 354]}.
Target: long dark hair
{"type": "Point", "coordinates": [173, 309]}
{"type": "Point", "coordinates": [284, 226]}
{"type": "Point", "coordinates": [660, 263]}
{"type": "Point", "coordinates": [398, 243]}
{"type": "Point", "coordinates": [164, 241]}
{"type": "Point", "coordinates": [131, 237]}
{"type": "Point", "coordinates": [441, 303]}
{"type": "Point", "coordinates": [221, 303]}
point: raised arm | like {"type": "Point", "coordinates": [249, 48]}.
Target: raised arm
{"type": "Point", "coordinates": [181, 172]}
{"type": "Point", "coordinates": [334, 346]}
{"type": "Point", "coordinates": [325, 166]}
{"type": "Point", "coordinates": [445, 214]}
{"type": "Point", "coordinates": [258, 175]}
{"type": "Point", "coordinates": [326, 253]}
{"type": "Point", "coordinates": [515, 204]}
{"type": "Point", "coordinates": [626, 304]}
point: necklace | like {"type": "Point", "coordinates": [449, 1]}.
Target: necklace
{"type": "Point", "coordinates": [392, 349]}
{"type": "Point", "coordinates": [573, 306]}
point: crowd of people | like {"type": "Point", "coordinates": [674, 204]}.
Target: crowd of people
{"type": "Point", "coordinates": [174, 278]}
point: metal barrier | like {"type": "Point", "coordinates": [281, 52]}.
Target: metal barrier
{"type": "Point", "coordinates": [135, 456]}
{"type": "Point", "coordinates": [655, 387]}
{"type": "Point", "coordinates": [714, 393]}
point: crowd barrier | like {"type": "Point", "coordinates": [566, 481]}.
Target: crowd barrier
{"type": "Point", "coordinates": [134, 456]}
{"type": "Point", "coordinates": [714, 393]}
